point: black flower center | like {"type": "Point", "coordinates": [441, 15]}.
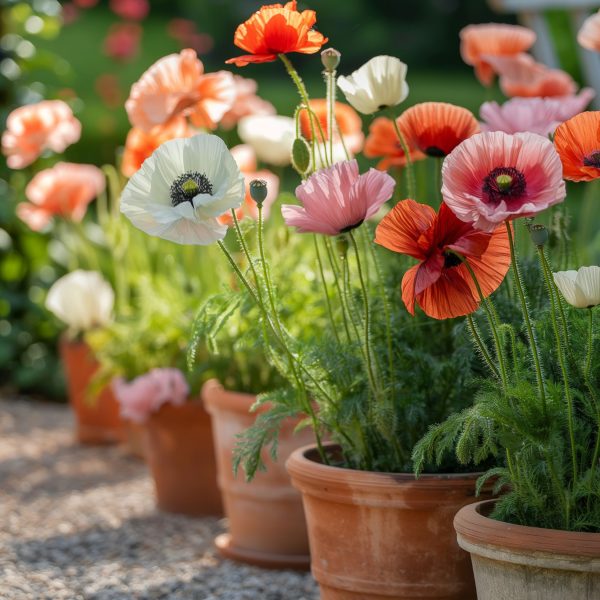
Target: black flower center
{"type": "Point", "coordinates": [435, 151]}
{"type": "Point", "coordinates": [189, 185]}
{"type": "Point", "coordinates": [503, 183]}
{"type": "Point", "coordinates": [592, 159]}
{"type": "Point", "coordinates": [351, 227]}
{"type": "Point", "coordinates": [451, 260]}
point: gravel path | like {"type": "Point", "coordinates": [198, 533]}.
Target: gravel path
{"type": "Point", "coordinates": [80, 523]}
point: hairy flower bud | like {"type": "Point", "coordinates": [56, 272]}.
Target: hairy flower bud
{"type": "Point", "coordinates": [300, 155]}
{"type": "Point", "coordinates": [258, 191]}
{"type": "Point", "coordinates": [330, 58]}
{"type": "Point", "coordinates": [539, 234]}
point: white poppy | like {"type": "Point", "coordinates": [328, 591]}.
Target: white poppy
{"type": "Point", "coordinates": [378, 84]}
{"type": "Point", "coordinates": [182, 188]}
{"type": "Point", "coordinates": [271, 136]}
{"type": "Point", "coordinates": [580, 288]}
{"type": "Point", "coordinates": [82, 300]}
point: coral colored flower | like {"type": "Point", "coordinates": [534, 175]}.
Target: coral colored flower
{"type": "Point", "coordinates": [535, 115]}
{"type": "Point", "coordinates": [480, 42]}
{"type": "Point", "coordinates": [33, 128]}
{"type": "Point", "coordinates": [440, 283]}
{"type": "Point", "coordinates": [495, 177]}
{"type": "Point", "coordinates": [348, 124]}
{"type": "Point", "coordinates": [338, 199]}
{"type": "Point", "coordinates": [123, 41]}
{"type": "Point", "coordinates": [64, 191]}
{"type": "Point", "coordinates": [140, 144]}
{"type": "Point", "coordinates": [176, 86]}
{"type": "Point", "coordinates": [276, 29]}
{"type": "Point", "coordinates": [132, 10]}
{"type": "Point", "coordinates": [380, 83]}
{"type": "Point", "coordinates": [577, 142]}
{"type": "Point", "coordinates": [436, 128]}
{"type": "Point", "coordinates": [246, 103]}
{"type": "Point", "coordinates": [580, 288]}
{"type": "Point", "coordinates": [589, 34]}
{"type": "Point", "coordinates": [271, 137]}
{"type": "Point", "coordinates": [382, 141]}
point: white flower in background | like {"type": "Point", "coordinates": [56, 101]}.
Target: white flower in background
{"type": "Point", "coordinates": [82, 300]}
{"type": "Point", "coordinates": [378, 84]}
{"type": "Point", "coordinates": [181, 190]}
{"type": "Point", "coordinates": [271, 136]}
{"type": "Point", "coordinates": [580, 288]}
{"type": "Point", "coordinates": [323, 158]}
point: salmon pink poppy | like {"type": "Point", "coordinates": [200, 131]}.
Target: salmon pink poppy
{"type": "Point", "coordinates": [577, 142]}
{"type": "Point", "coordinates": [176, 86]}
{"type": "Point", "coordinates": [64, 191]}
{"type": "Point", "coordinates": [338, 199]}
{"type": "Point", "coordinates": [480, 42]}
{"type": "Point", "coordinates": [440, 283]}
{"type": "Point", "coordinates": [33, 128]}
{"type": "Point", "coordinates": [383, 142]}
{"type": "Point", "coordinates": [274, 30]}
{"type": "Point", "coordinates": [495, 177]}
{"type": "Point", "coordinates": [246, 103]}
{"type": "Point", "coordinates": [589, 34]}
{"type": "Point", "coordinates": [436, 128]}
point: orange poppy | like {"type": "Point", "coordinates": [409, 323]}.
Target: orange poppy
{"type": "Point", "coordinates": [436, 128]}
{"type": "Point", "coordinates": [348, 122]}
{"type": "Point", "coordinates": [276, 29]}
{"type": "Point", "coordinates": [382, 141]}
{"type": "Point", "coordinates": [577, 142]}
{"type": "Point", "coordinates": [478, 42]}
{"type": "Point", "coordinates": [440, 283]}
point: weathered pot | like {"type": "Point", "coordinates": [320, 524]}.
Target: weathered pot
{"type": "Point", "coordinates": [266, 521]}
{"type": "Point", "coordinates": [383, 536]}
{"type": "Point", "coordinates": [528, 563]}
{"type": "Point", "coordinates": [181, 457]}
{"type": "Point", "coordinates": [97, 416]}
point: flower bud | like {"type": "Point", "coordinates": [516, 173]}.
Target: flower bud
{"type": "Point", "coordinates": [330, 58]}
{"type": "Point", "coordinates": [258, 191]}
{"type": "Point", "coordinates": [539, 234]}
{"type": "Point", "coordinates": [341, 243]}
{"type": "Point", "coordinates": [300, 155]}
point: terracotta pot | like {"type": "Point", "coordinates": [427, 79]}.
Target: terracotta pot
{"type": "Point", "coordinates": [135, 439]}
{"type": "Point", "coordinates": [529, 563]}
{"type": "Point", "coordinates": [266, 520]}
{"type": "Point", "coordinates": [376, 536]}
{"type": "Point", "coordinates": [181, 457]}
{"type": "Point", "coordinates": [97, 417]}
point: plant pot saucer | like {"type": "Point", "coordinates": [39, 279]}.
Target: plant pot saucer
{"type": "Point", "coordinates": [257, 558]}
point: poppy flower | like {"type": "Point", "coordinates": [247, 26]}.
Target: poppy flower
{"type": "Point", "coordinates": [182, 188]}
{"type": "Point", "coordinates": [494, 177]}
{"type": "Point", "coordinates": [480, 42]}
{"type": "Point", "coordinates": [380, 83]}
{"type": "Point", "coordinates": [176, 86]}
{"type": "Point", "coordinates": [382, 141]}
{"type": "Point", "coordinates": [440, 283]}
{"type": "Point", "coordinates": [589, 34]}
{"type": "Point", "coordinates": [271, 136]}
{"type": "Point", "coordinates": [580, 288]}
{"type": "Point", "coordinates": [65, 190]}
{"type": "Point", "coordinates": [338, 199]}
{"type": "Point", "coordinates": [349, 124]}
{"type": "Point", "coordinates": [274, 30]}
{"type": "Point", "coordinates": [436, 128]}
{"type": "Point", "coordinates": [246, 103]}
{"type": "Point", "coordinates": [577, 142]}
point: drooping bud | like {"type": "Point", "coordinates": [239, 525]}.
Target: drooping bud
{"type": "Point", "coordinates": [539, 234]}
{"type": "Point", "coordinates": [342, 244]}
{"type": "Point", "coordinates": [300, 155]}
{"type": "Point", "coordinates": [330, 58]}
{"type": "Point", "coordinates": [258, 191]}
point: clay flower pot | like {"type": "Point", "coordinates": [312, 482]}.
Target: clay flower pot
{"type": "Point", "coordinates": [97, 417]}
{"type": "Point", "coordinates": [513, 561]}
{"type": "Point", "coordinates": [135, 439]}
{"type": "Point", "coordinates": [181, 457]}
{"type": "Point", "coordinates": [266, 521]}
{"type": "Point", "coordinates": [383, 536]}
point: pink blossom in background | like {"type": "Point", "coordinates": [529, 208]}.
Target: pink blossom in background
{"type": "Point", "coordinates": [494, 177]}
{"type": "Point", "coordinates": [108, 88]}
{"type": "Point", "coordinates": [122, 41]}
{"type": "Point", "coordinates": [246, 102]}
{"type": "Point", "coordinates": [86, 3]}
{"type": "Point", "coordinates": [69, 13]}
{"type": "Point", "coordinates": [536, 115]}
{"type": "Point", "coordinates": [171, 386]}
{"type": "Point", "coordinates": [184, 31]}
{"type": "Point", "coordinates": [337, 199]}
{"type": "Point", "coordinates": [33, 128]}
{"type": "Point", "coordinates": [65, 190]}
{"type": "Point", "coordinates": [589, 34]}
{"type": "Point", "coordinates": [133, 10]}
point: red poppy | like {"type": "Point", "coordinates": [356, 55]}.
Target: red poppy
{"type": "Point", "coordinates": [440, 283]}
{"type": "Point", "coordinates": [276, 29]}
{"type": "Point", "coordinates": [577, 142]}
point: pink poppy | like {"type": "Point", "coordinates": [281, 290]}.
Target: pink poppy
{"type": "Point", "coordinates": [123, 41]}
{"type": "Point", "coordinates": [31, 129]}
{"type": "Point", "coordinates": [132, 10]}
{"type": "Point", "coordinates": [494, 177]}
{"type": "Point", "coordinates": [65, 191]}
{"type": "Point", "coordinates": [176, 85]}
{"type": "Point", "coordinates": [171, 386]}
{"type": "Point", "coordinates": [337, 199]}
{"type": "Point", "coordinates": [589, 34]}
{"type": "Point", "coordinates": [247, 102]}
{"type": "Point", "coordinates": [536, 115]}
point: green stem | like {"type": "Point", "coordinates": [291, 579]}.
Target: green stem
{"type": "Point", "coordinates": [588, 361]}
{"type": "Point", "coordinates": [330, 85]}
{"type": "Point", "coordinates": [326, 291]}
{"type": "Point", "coordinates": [410, 174]}
{"type": "Point", "coordinates": [481, 346]}
{"type": "Point", "coordinates": [336, 275]}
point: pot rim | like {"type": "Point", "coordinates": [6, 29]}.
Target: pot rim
{"type": "Point", "coordinates": [216, 398]}
{"type": "Point", "coordinates": [473, 526]}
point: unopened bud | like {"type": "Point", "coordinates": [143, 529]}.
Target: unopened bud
{"type": "Point", "coordinates": [330, 58]}
{"type": "Point", "coordinates": [539, 234]}
{"type": "Point", "coordinates": [300, 155]}
{"type": "Point", "coordinates": [342, 245]}
{"type": "Point", "coordinates": [258, 191]}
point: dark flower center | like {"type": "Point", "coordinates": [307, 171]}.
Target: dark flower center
{"type": "Point", "coordinates": [435, 151]}
{"type": "Point", "coordinates": [351, 227]}
{"type": "Point", "coordinates": [592, 159]}
{"type": "Point", "coordinates": [189, 185]}
{"type": "Point", "coordinates": [451, 260]}
{"type": "Point", "coordinates": [503, 183]}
